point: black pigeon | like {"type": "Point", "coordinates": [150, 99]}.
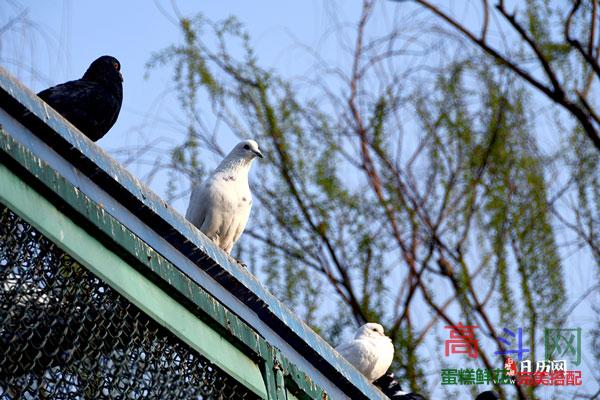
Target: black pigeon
{"type": "Point", "coordinates": [488, 395]}
{"type": "Point", "coordinates": [392, 389]}
{"type": "Point", "coordinates": [93, 102]}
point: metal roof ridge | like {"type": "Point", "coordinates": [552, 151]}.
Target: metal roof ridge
{"type": "Point", "coordinates": [101, 168]}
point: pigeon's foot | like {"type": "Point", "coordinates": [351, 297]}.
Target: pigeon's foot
{"type": "Point", "coordinates": [241, 263]}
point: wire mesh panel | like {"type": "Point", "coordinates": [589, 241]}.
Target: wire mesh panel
{"type": "Point", "coordinates": [65, 334]}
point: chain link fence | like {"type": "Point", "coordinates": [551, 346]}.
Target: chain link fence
{"type": "Point", "coordinates": [65, 334]}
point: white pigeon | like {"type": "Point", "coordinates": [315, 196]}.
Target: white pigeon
{"type": "Point", "coordinates": [220, 206]}
{"type": "Point", "coordinates": [371, 352]}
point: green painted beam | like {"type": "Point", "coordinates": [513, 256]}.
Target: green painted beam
{"type": "Point", "coordinates": [274, 376]}
{"type": "Point", "coordinates": [301, 344]}
{"type": "Point", "coordinates": [290, 396]}
{"type": "Point", "coordinates": [43, 215]}
{"type": "Point", "coordinates": [155, 263]}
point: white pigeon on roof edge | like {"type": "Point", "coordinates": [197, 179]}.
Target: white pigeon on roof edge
{"type": "Point", "coordinates": [220, 206]}
{"type": "Point", "coordinates": [370, 351]}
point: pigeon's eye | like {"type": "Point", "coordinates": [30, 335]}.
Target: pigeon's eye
{"type": "Point", "coordinates": [246, 147]}
{"type": "Point", "coordinates": [117, 66]}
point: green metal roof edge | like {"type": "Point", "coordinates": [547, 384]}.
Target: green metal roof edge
{"type": "Point", "coordinates": [67, 141]}
{"type": "Point", "coordinates": [145, 257]}
{"type": "Point", "coordinates": [20, 197]}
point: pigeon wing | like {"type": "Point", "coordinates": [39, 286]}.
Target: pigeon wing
{"type": "Point", "coordinates": [361, 354]}
{"type": "Point", "coordinates": [242, 214]}
{"type": "Point", "coordinates": [196, 211]}
{"type": "Point", "coordinates": [211, 209]}
{"type": "Point", "coordinates": [88, 105]}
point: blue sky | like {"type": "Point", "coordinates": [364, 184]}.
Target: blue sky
{"type": "Point", "coordinates": [67, 35]}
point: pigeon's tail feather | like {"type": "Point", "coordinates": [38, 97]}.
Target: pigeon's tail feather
{"type": "Point", "coordinates": [388, 384]}
{"type": "Point", "coordinates": [392, 389]}
{"type": "Point", "coordinates": [488, 395]}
